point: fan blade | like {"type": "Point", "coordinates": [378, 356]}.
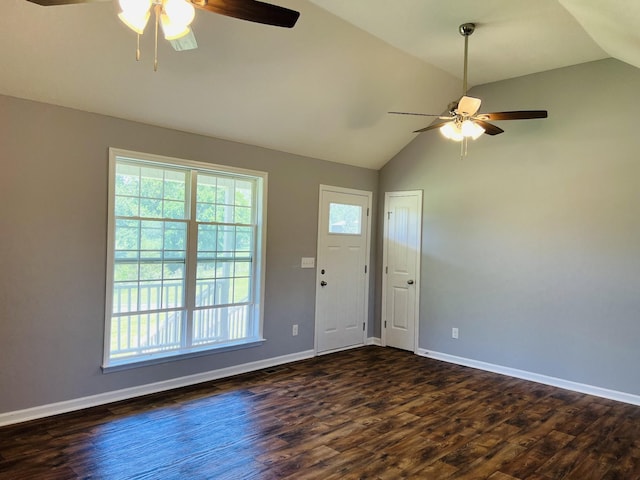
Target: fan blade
{"type": "Point", "coordinates": [519, 115]}
{"type": "Point", "coordinates": [432, 126]}
{"type": "Point", "coordinates": [489, 129]}
{"type": "Point", "coordinates": [468, 106]}
{"type": "Point", "coordinates": [423, 115]}
{"type": "Point", "coordinates": [251, 10]}
{"type": "Point", "coordinates": [53, 3]}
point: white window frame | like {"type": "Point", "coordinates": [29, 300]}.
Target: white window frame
{"type": "Point", "coordinates": [257, 338]}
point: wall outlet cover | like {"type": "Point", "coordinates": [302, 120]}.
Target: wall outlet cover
{"type": "Point", "coordinates": [308, 262]}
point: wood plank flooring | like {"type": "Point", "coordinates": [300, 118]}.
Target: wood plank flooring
{"type": "Point", "coordinates": [369, 413]}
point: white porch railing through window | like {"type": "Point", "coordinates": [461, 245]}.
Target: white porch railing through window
{"type": "Point", "coordinates": [144, 332]}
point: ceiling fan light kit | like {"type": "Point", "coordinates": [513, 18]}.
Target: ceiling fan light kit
{"type": "Point", "coordinates": [176, 16]}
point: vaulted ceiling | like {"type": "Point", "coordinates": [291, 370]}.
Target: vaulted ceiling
{"type": "Point", "coordinates": [321, 89]}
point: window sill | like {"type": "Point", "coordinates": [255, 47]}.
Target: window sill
{"type": "Point", "coordinates": [117, 366]}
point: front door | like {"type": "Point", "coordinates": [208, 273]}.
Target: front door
{"type": "Point", "coordinates": [401, 259]}
{"type": "Point", "coordinates": [342, 270]}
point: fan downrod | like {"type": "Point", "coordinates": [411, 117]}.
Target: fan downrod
{"type": "Point", "coordinates": [466, 29]}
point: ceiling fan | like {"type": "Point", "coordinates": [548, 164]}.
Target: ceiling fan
{"type": "Point", "coordinates": [175, 16]}
{"type": "Point", "coordinates": [464, 121]}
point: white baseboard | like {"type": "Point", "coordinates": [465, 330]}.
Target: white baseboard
{"type": "Point", "coordinates": [534, 377]}
{"type": "Point", "coordinates": [18, 416]}
{"type": "Point", "coordinates": [126, 393]}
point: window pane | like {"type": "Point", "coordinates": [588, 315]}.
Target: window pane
{"type": "Point", "coordinates": [205, 212]}
{"type": "Point", "coordinates": [151, 180]}
{"type": "Point", "coordinates": [225, 193]}
{"type": "Point", "coordinates": [206, 189]}
{"type": "Point", "coordinates": [127, 206]}
{"type": "Point", "coordinates": [150, 295]}
{"type": "Point", "coordinates": [205, 293]}
{"type": "Point", "coordinates": [241, 290]}
{"type": "Point", "coordinates": [127, 180]}
{"type": "Point", "coordinates": [213, 325]}
{"type": "Point", "coordinates": [206, 270]}
{"type": "Point", "coordinates": [224, 291]}
{"type": "Point", "coordinates": [226, 238]}
{"type": "Point", "coordinates": [151, 235]}
{"type": "Point", "coordinates": [125, 297]}
{"type": "Point", "coordinates": [244, 193]}
{"type": "Point", "coordinates": [151, 271]}
{"type": "Point", "coordinates": [125, 272]}
{"type": "Point", "coordinates": [207, 238]}
{"type": "Point", "coordinates": [224, 214]}
{"type": "Point", "coordinates": [175, 185]}
{"type": "Point", "coordinates": [345, 219]}
{"type": "Point", "coordinates": [172, 293]}
{"type": "Point", "coordinates": [173, 209]}
{"type": "Point", "coordinates": [127, 234]}
{"type": "Point", "coordinates": [150, 207]}
{"type": "Point", "coordinates": [175, 237]}
{"type": "Point", "coordinates": [242, 215]}
{"type": "Point", "coordinates": [146, 333]}
{"type": "Point", "coordinates": [242, 269]}
{"type": "Point", "coordinates": [244, 237]}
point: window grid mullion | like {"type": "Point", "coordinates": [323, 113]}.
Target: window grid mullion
{"type": "Point", "coordinates": [192, 261]}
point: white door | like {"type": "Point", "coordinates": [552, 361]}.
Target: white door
{"type": "Point", "coordinates": [342, 272]}
{"type": "Point", "coordinates": [401, 282]}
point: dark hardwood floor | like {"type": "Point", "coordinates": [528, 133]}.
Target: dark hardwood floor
{"type": "Point", "coordinates": [370, 413]}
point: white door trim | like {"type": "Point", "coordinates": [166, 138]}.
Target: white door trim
{"type": "Point", "coordinates": [369, 195]}
{"type": "Point", "coordinates": [385, 249]}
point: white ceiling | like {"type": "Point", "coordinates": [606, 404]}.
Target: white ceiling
{"type": "Point", "coordinates": [321, 89]}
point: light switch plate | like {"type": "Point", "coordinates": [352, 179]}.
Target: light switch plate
{"type": "Point", "coordinates": [308, 262]}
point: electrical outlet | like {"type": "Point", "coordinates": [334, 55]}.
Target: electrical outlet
{"type": "Point", "coordinates": [294, 330]}
{"type": "Point", "coordinates": [454, 332]}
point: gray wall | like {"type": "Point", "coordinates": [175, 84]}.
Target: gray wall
{"type": "Point", "coordinates": [531, 244]}
{"type": "Point", "coordinates": [53, 213]}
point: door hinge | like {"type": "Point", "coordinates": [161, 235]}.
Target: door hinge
{"type": "Point", "coordinates": [363, 326]}
{"type": "Point", "coordinates": [365, 269]}
{"type": "Point", "coordinates": [385, 324]}
{"type": "Point", "coordinates": [388, 215]}
{"type": "Point", "coordinates": [367, 211]}
{"type": "Point", "coordinates": [386, 269]}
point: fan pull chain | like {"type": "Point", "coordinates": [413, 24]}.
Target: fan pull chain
{"type": "Point", "coordinates": [464, 148]}
{"type": "Point", "coordinates": [138, 49]}
{"type": "Point", "coordinates": [158, 11]}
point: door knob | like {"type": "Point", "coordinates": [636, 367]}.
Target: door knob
{"type": "Point", "coordinates": [323, 283]}
{"type": "Point", "coordinates": [410, 282]}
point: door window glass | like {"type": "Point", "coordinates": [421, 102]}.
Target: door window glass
{"type": "Point", "coordinates": [345, 219]}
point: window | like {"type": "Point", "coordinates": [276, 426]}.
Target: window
{"type": "Point", "coordinates": [345, 219]}
{"type": "Point", "coordinates": [185, 258]}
